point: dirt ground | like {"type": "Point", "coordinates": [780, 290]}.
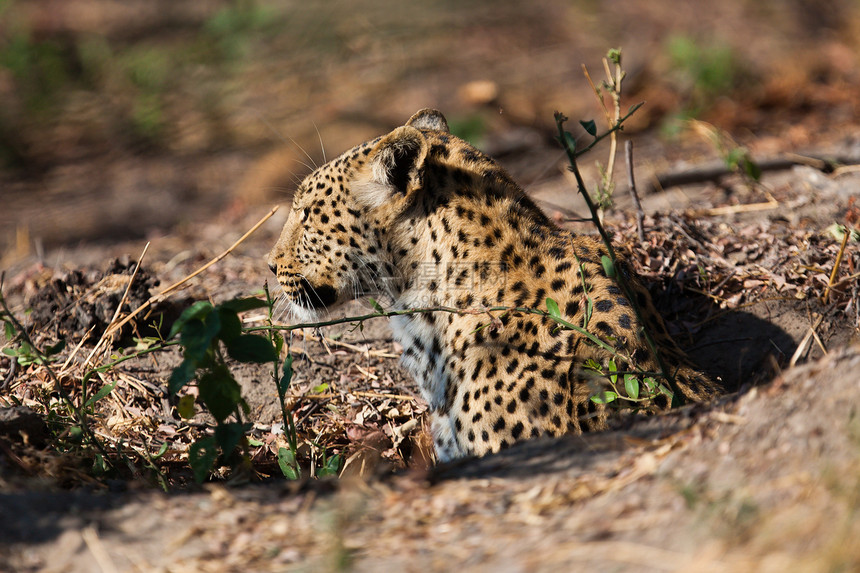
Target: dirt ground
{"type": "Point", "coordinates": [763, 482]}
{"type": "Point", "coordinates": [766, 479]}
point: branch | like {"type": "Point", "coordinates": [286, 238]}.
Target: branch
{"type": "Point", "coordinates": [716, 170]}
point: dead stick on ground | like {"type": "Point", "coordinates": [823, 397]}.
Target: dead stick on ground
{"type": "Point", "coordinates": [640, 216]}
{"type": "Point", "coordinates": [715, 171]}
{"type": "Point", "coordinates": [110, 330]}
{"type": "Point", "coordinates": [748, 208]}
{"type": "Point", "coordinates": [838, 262]}
{"type": "Point", "coordinates": [163, 294]}
{"type": "Point", "coordinates": [801, 348]}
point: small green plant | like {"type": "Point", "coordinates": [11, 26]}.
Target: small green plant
{"type": "Point", "coordinates": [25, 353]}
{"type": "Point", "coordinates": [283, 376]}
{"type": "Point", "coordinates": [147, 71]}
{"type": "Point", "coordinates": [206, 332]}
{"type": "Point", "coordinates": [737, 158]}
{"type": "Point", "coordinates": [40, 69]}
{"type": "Point", "coordinates": [610, 261]}
{"type": "Point", "coordinates": [232, 27]}
{"type": "Point", "coordinates": [610, 86]}
{"type": "Point", "coordinates": [209, 334]}
{"type": "Point", "coordinates": [704, 70]}
{"type": "Point", "coordinates": [471, 128]}
{"type": "Point", "coordinates": [701, 73]}
{"type": "Point", "coordinates": [68, 417]}
{"type": "Point", "coordinates": [631, 382]}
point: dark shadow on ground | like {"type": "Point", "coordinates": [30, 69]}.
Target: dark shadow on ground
{"type": "Point", "coordinates": [750, 347]}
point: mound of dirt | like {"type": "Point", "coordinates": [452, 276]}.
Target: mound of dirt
{"type": "Point", "coordinates": [81, 304]}
{"type": "Point", "coordinates": [763, 482]}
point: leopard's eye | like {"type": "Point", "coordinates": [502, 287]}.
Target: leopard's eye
{"type": "Point", "coordinates": [305, 212]}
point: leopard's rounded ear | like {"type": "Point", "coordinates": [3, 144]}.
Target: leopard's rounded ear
{"type": "Point", "coordinates": [431, 119]}
{"type": "Point", "coordinates": [396, 165]}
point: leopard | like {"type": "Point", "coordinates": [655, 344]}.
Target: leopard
{"type": "Point", "coordinates": [466, 261]}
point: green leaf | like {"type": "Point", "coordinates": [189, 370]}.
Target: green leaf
{"type": "Point", "coordinates": [608, 266]}
{"type": "Point", "coordinates": [10, 352]}
{"type": "Point", "coordinates": [287, 463]}
{"type": "Point", "coordinates": [243, 304]}
{"type": "Point", "coordinates": [255, 443]}
{"type": "Point", "coordinates": [614, 56]}
{"type": "Point", "coordinates": [631, 386]}
{"type": "Point", "coordinates": [231, 326]}
{"type": "Point", "coordinates": [734, 157]}
{"type": "Point", "coordinates": [330, 467]}
{"type": "Point", "coordinates": [279, 342]}
{"type": "Point", "coordinates": [161, 451]}
{"type": "Point", "coordinates": [9, 329]}
{"type": "Point", "coordinates": [589, 307]}
{"type": "Point", "coordinates": [181, 375]}
{"type": "Point", "coordinates": [552, 307]}
{"type": "Point", "coordinates": [251, 348]}
{"type": "Point", "coordinates": [58, 347]}
{"type": "Point", "coordinates": [589, 126]}
{"type": "Point", "coordinates": [99, 467]}
{"type": "Point", "coordinates": [201, 457]}
{"type": "Point", "coordinates": [229, 435]}
{"type": "Point", "coordinates": [613, 368]}
{"type": "Point", "coordinates": [144, 343]}
{"type": "Point", "coordinates": [376, 306]}
{"type": "Point", "coordinates": [220, 392]}
{"type": "Point", "coordinates": [287, 369]}
{"type": "Point", "coordinates": [751, 168]}
{"type": "Point", "coordinates": [320, 388]}
{"type": "Point", "coordinates": [198, 310]}
{"type": "Point", "coordinates": [604, 397]}
{"type": "Point", "coordinates": [185, 406]}
{"type": "Point", "coordinates": [198, 334]}
{"type": "Point", "coordinates": [103, 391]}
{"type": "Point", "coordinates": [76, 433]}
{"type": "Point", "coordinates": [569, 141]}
{"type": "Point", "coordinates": [650, 384]}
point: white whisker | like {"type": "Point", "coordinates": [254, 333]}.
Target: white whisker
{"type": "Point", "coordinates": [322, 146]}
{"type": "Point", "coordinates": [284, 139]}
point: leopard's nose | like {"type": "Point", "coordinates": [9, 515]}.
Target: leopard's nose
{"type": "Point", "coordinates": [274, 268]}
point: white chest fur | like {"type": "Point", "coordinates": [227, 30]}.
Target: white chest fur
{"type": "Point", "coordinates": [427, 366]}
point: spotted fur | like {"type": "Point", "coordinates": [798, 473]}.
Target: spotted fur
{"type": "Point", "coordinates": [426, 219]}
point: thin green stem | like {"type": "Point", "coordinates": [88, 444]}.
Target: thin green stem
{"type": "Point", "coordinates": [286, 415]}
{"type": "Point", "coordinates": [678, 398]}
{"type": "Point", "coordinates": [105, 367]}
{"type": "Point", "coordinates": [619, 126]}
{"type": "Point", "coordinates": [412, 311]}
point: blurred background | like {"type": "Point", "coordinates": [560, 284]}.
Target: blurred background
{"type": "Point", "coordinates": [123, 120]}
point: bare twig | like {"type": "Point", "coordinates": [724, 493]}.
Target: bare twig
{"type": "Point", "coordinates": [163, 294]}
{"type": "Point", "coordinates": [838, 262]}
{"type": "Point", "coordinates": [747, 208]}
{"type": "Point", "coordinates": [804, 344]}
{"type": "Point", "coordinates": [10, 375]}
{"type": "Point", "coordinates": [640, 215]}
{"type": "Point", "coordinates": [110, 327]}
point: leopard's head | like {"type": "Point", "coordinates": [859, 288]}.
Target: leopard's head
{"type": "Point", "coordinates": [335, 245]}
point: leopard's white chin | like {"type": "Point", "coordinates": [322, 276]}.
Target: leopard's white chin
{"type": "Point", "coordinates": [304, 315]}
